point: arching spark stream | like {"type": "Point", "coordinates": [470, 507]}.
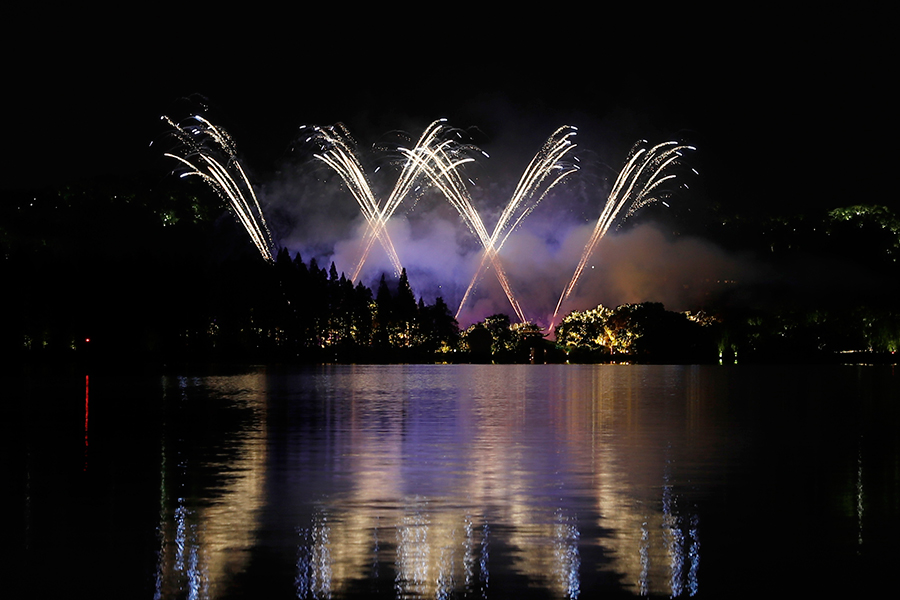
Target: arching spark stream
{"type": "Point", "coordinates": [413, 168]}
{"type": "Point", "coordinates": [337, 152]}
{"type": "Point", "coordinates": [543, 173]}
{"type": "Point", "coordinates": [210, 153]}
{"type": "Point", "coordinates": [438, 158]}
{"type": "Point", "coordinates": [634, 188]}
{"type": "Point", "coordinates": [339, 155]}
{"type": "Point", "coordinates": [440, 167]}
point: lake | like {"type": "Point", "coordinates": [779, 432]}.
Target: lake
{"type": "Point", "coordinates": [454, 481]}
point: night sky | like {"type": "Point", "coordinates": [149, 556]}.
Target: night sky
{"type": "Point", "coordinates": [781, 105]}
{"type": "Point", "coordinates": [785, 108]}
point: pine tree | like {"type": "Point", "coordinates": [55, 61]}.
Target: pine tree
{"type": "Point", "coordinates": [405, 312]}
{"type": "Point", "coordinates": [384, 309]}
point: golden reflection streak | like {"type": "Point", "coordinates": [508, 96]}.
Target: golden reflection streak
{"type": "Point", "coordinates": [203, 546]}
{"type": "Point", "coordinates": [437, 538]}
{"type": "Point", "coordinates": [649, 545]}
{"type": "Point", "coordinates": [440, 544]}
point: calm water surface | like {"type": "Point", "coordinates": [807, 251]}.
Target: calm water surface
{"type": "Point", "coordinates": [440, 481]}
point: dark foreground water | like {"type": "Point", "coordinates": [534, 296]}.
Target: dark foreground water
{"type": "Point", "coordinates": [433, 481]}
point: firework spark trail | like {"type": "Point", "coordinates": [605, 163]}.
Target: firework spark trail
{"type": "Point", "coordinates": [202, 143]}
{"type": "Point", "coordinates": [635, 185]}
{"type": "Point", "coordinates": [441, 168]}
{"type": "Point", "coordinates": [546, 165]}
{"type": "Point", "coordinates": [438, 159]}
{"type": "Point", "coordinates": [417, 161]}
{"type": "Point", "coordinates": [337, 153]}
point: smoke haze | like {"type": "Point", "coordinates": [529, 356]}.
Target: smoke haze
{"type": "Point", "coordinates": [311, 212]}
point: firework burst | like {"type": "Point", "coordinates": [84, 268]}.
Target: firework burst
{"type": "Point", "coordinates": [208, 152]}
{"type": "Point", "coordinates": [548, 167]}
{"type": "Point", "coordinates": [337, 149]}
{"type": "Point", "coordinates": [639, 183]}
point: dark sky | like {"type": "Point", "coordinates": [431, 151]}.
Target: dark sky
{"type": "Point", "coordinates": [781, 106]}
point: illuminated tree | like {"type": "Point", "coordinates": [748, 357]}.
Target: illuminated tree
{"type": "Point", "coordinates": [584, 328]}
{"type": "Point", "coordinates": [498, 326]}
{"type": "Point", "coordinates": [644, 330]}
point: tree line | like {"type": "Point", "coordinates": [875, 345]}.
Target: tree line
{"type": "Point", "coordinates": [159, 273]}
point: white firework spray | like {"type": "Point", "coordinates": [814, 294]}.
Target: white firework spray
{"type": "Point", "coordinates": [638, 184]}
{"type": "Point", "coordinates": [209, 152]}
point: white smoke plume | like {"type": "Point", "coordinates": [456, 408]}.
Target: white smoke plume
{"type": "Point", "coordinates": [636, 264]}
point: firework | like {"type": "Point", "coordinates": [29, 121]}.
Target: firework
{"type": "Point", "coordinates": [337, 151]}
{"type": "Point", "coordinates": [638, 184]}
{"type": "Point", "coordinates": [434, 161]}
{"type": "Point", "coordinates": [546, 170]}
{"type": "Point", "coordinates": [209, 153]}
{"type": "Point", "coordinates": [440, 164]}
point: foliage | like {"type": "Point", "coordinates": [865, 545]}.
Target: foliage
{"type": "Point", "coordinates": [645, 331]}
{"type": "Point", "coordinates": [154, 271]}
{"type": "Point", "coordinates": [328, 311]}
{"type": "Point", "coordinates": [496, 338]}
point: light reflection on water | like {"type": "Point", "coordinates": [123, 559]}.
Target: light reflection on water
{"type": "Point", "coordinates": [206, 538]}
{"type": "Point", "coordinates": [491, 481]}
{"type": "Point", "coordinates": [434, 474]}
